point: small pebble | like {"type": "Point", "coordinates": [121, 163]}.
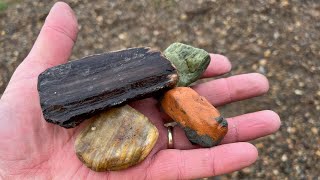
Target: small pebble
{"type": "Point", "coordinates": [284, 158]}
{"type": "Point", "coordinates": [298, 92]}
{"type": "Point", "coordinates": [123, 36]}
{"type": "Point", "coordinates": [262, 62]}
{"type": "Point", "coordinates": [190, 62]}
{"type": "Point", "coordinates": [267, 53]}
{"type": "Point", "coordinates": [291, 129]}
{"type": "Point", "coordinates": [314, 130]}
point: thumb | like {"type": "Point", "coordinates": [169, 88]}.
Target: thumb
{"type": "Point", "coordinates": [53, 45]}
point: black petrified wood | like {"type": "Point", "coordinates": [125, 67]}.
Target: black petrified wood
{"type": "Point", "coordinates": [75, 91]}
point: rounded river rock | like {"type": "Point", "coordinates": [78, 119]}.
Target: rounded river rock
{"type": "Point", "coordinates": [201, 122]}
{"type": "Point", "coordinates": [190, 62]}
{"type": "Point", "coordinates": [116, 139]}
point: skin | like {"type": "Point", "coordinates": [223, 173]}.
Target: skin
{"type": "Point", "coordinates": [30, 147]}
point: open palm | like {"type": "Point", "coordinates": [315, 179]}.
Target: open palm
{"type": "Point", "coordinates": [30, 147]}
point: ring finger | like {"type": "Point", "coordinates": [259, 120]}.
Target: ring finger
{"type": "Point", "coordinates": [241, 128]}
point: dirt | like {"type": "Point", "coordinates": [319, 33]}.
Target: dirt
{"type": "Point", "coordinates": [278, 38]}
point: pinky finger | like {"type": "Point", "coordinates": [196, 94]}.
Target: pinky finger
{"type": "Point", "coordinates": [199, 163]}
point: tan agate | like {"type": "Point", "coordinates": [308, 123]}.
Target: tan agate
{"type": "Point", "coordinates": [116, 139]}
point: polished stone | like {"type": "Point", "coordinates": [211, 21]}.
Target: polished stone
{"type": "Point", "coordinates": [116, 139]}
{"type": "Point", "coordinates": [190, 62]}
{"type": "Point", "coordinates": [201, 121]}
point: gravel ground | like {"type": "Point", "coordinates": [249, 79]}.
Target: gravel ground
{"type": "Point", "coordinates": [278, 38]}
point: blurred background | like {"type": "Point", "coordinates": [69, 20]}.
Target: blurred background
{"type": "Point", "coordinates": [278, 38]}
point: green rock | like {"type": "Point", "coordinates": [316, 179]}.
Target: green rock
{"type": "Point", "coordinates": [190, 62]}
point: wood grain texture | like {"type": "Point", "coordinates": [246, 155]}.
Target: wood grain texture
{"type": "Point", "coordinates": [75, 91]}
{"type": "Point", "coordinates": [116, 139]}
{"type": "Point", "coordinates": [201, 121]}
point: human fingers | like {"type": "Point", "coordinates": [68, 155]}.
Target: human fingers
{"type": "Point", "coordinates": [251, 126]}
{"type": "Point", "coordinates": [235, 88]}
{"type": "Point", "coordinates": [240, 128]}
{"type": "Point", "coordinates": [54, 43]}
{"type": "Point", "coordinates": [52, 47]}
{"type": "Point", "coordinates": [219, 65]}
{"type": "Point", "coordinates": [199, 163]}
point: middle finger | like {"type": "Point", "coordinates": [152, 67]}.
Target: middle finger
{"type": "Point", "coordinates": [235, 88]}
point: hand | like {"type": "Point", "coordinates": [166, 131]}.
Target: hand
{"type": "Point", "coordinates": [31, 147]}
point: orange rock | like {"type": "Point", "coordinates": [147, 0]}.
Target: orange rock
{"type": "Point", "coordinates": [201, 121]}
